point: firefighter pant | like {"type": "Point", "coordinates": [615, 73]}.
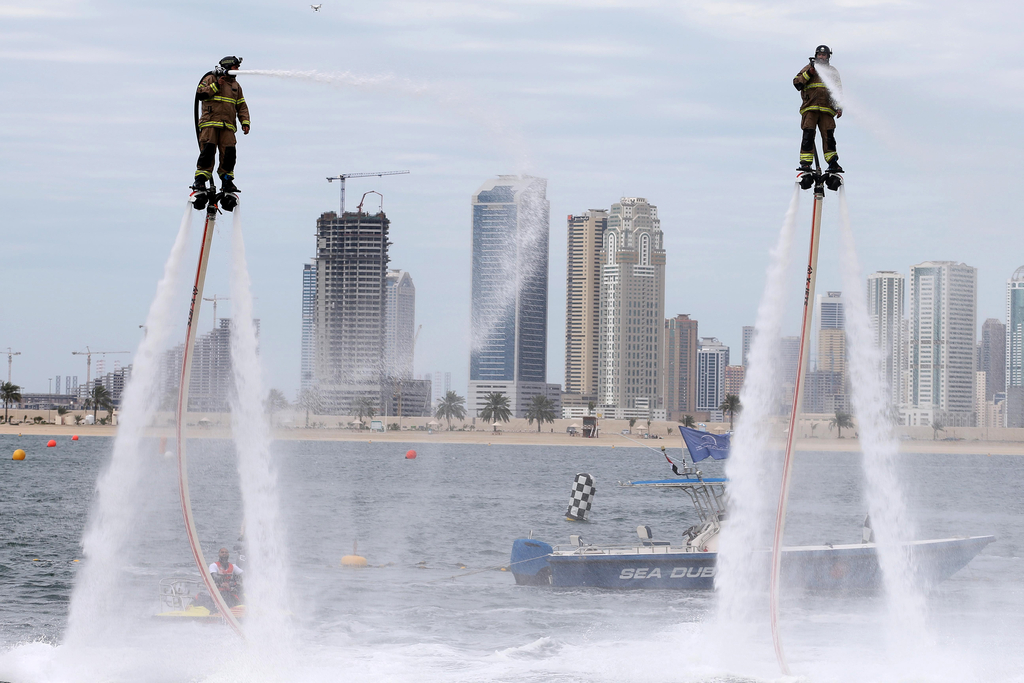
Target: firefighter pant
{"type": "Point", "coordinates": [210, 140]}
{"type": "Point", "coordinates": [824, 122]}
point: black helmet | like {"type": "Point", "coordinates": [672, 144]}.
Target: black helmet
{"type": "Point", "coordinates": [230, 62]}
{"type": "Point", "coordinates": [823, 49]}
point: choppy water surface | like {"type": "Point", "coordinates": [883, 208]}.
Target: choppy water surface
{"type": "Point", "coordinates": [424, 612]}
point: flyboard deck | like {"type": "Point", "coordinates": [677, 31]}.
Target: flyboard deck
{"type": "Point", "coordinates": [182, 408]}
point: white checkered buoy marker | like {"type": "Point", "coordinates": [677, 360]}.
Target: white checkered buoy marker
{"type": "Point", "coordinates": [582, 498]}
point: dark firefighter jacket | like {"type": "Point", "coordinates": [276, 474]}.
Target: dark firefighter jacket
{"type": "Point", "coordinates": [815, 94]}
{"type": "Point", "coordinates": [222, 104]}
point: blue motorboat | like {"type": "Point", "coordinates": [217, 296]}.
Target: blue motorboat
{"type": "Point", "coordinates": [690, 562]}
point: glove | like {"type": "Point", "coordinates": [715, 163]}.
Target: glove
{"type": "Point", "coordinates": [245, 129]}
{"type": "Point", "coordinates": [222, 81]}
{"type": "Point", "coordinates": [811, 71]}
{"type": "Point", "coordinates": [839, 113]}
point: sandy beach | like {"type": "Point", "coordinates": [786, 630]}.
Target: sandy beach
{"type": "Point", "coordinates": [829, 443]}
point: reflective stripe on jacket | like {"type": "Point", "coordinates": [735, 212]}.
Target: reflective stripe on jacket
{"type": "Point", "coordinates": [221, 106]}
{"type": "Point", "coordinates": [813, 92]}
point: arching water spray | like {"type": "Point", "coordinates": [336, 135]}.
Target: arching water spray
{"type": "Point", "coordinates": [740, 578]}
{"type": "Point", "coordinates": [890, 519]}
{"type": "Point", "coordinates": [267, 625]}
{"type": "Point", "coordinates": [96, 606]}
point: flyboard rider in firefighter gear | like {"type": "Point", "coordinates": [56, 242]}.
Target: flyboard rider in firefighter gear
{"type": "Point", "coordinates": [819, 109]}
{"type": "Point", "coordinates": [222, 104]}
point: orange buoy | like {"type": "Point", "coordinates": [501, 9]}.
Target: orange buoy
{"type": "Point", "coordinates": [410, 454]}
{"type": "Point", "coordinates": [18, 455]}
{"type": "Point", "coordinates": [51, 443]}
{"type": "Point", "coordinates": [75, 437]}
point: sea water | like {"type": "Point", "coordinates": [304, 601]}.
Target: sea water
{"type": "Point", "coordinates": [434, 604]}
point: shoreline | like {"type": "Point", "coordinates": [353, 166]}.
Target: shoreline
{"type": "Point", "coordinates": [823, 444]}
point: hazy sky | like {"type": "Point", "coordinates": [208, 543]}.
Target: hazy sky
{"type": "Point", "coordinates": [689, 104]}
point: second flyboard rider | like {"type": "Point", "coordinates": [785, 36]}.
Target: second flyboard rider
{"type": "Point", "coordinates": [222, 105]}
{"type": "Point", "coordinates": [819, 108]}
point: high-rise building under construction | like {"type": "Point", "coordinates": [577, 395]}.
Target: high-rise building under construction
{"type": "Point", "coordinates": [351, 268]}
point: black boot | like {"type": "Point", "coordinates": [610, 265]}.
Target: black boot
{"type": "Point", "coordinates": [804, 167]}
{"type": "Point", "coordinates": [834, 167]}
{"type": "Point", "coordinates": [227, 184]}
{"type": "Point", "coordinates": [199, 185]}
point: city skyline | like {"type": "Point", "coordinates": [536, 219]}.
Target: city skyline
{"type": "Point", "coordinates": [465, 100]}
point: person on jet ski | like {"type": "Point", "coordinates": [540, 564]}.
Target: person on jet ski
{"type": "Point", "coordinates": [228, 578]}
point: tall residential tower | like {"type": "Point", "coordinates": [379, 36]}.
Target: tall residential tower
{"type": "Point", "coordinates": [943, 310]}
{"type": "Point", "coordinates": [632, 322]}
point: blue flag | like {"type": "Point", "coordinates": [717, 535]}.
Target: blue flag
{"type": "Point", "coordinates": [702, 444]}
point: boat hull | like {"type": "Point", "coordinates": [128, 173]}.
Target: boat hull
{"type": "Point", "coordinates": [840, 567]}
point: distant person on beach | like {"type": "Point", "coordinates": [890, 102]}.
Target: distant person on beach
{"type": "Point", "coordinates": [223, 103]}
{"type": "Point", "coordinates": [819, 109]}
{"type": "Point", "coordinates": [228, 578]}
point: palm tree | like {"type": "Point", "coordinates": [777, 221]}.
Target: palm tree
{"type": "Point", "coordinates": [9, 393]}
{"type": "Point", "coordinates": [688, 421]}
{"type": "Point", "coordinates": [632, 421]}
{"type": "Point", "coordinates": [840, 421]}
{"type": "Point", "coordinates": [496, 408]}
{"type": "Point", "coordinates": [590, 407]}
{"type": "Point", "coordinates": [99, 398]}
{"type": "Point", "coordinates": [275, 402]}
{"type": "Point", "coordinates": [542, 409]}
{"type": "Point", "coordinates": [731, 405]}
{"type": "Point", "coordinates": [364, 406]}
{"type": "Point", "coordinates": [451, 406]}
{"type": "Point", "coordinates": [937, 427]}
{"type": "Point", "coordinates": [308, 400]}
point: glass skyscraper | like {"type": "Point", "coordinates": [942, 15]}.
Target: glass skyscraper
{"type": "Point", "coordinates": [509, 295]}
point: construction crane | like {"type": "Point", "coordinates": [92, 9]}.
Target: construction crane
{"type": "Point", "coordinates": [88, 353]}
{"type": "Point", "coordinates": [10, 359]}
{"type": "Point", "coordinates": [342, 177]}
{"type": "Point", "coordinates": [215, 299]}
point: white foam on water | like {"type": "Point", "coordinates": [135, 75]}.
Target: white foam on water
{"type": "Point", "coordinates": [890, 519]}
{"type": "Point", "coordinates": [267, 624]}
{"type": "Point", "coordinates": [740, 579]}
{"type": "Point", "coordinates": [97, 603]}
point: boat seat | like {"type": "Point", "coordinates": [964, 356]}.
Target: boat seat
{"type": "Point", "coordinates": [647, 537]}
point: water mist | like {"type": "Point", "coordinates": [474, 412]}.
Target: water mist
{"type": "Point", "coordinates": [267, 625]}
{"type": "Point", "coordinates": [740, 578]}
{"type": "Point", "coordinates": [871, 405]}
{"type": "Point", "coordinates": [97, 603]}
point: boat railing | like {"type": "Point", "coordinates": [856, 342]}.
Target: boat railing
{"type": "Point", "coordinates": [707, 495]}
{"type": "Point", "coordinates": [179, 593]}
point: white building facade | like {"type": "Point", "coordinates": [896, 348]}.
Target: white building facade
{"type": "Point", "coordinates": [712, 358]}
{"type": "Point", "coordinates": [942, 321]}
{"type": "Point", "coordinates": [632, 311]}
{"type": "Point", "coordinates": [886, 296]}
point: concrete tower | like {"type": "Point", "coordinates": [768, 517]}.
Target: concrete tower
{"type": "Point", "coordinates": [632, 324]}
{"type": "Point", "coordinates": [885, 310]}
{"type": "Point", "coordinates": [943, 310]}
{"type": "Point", "coordinates": [583, 303]}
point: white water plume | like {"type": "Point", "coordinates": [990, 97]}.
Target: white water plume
{"type": "Point", "coordinates": [747, 531]}
{"type": "Point", "coordinates": [514, 266]}
{"type": "Point", "coordinates": [267, 624]}
{"type": "Point", "coordinates": [97, 602]}
{"type": "Point", "coordinates": [459, 100]}
{"type": "Point", "coordinates": [830, 77]}
{"type": "Point", "coordinates": [892, 525]}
